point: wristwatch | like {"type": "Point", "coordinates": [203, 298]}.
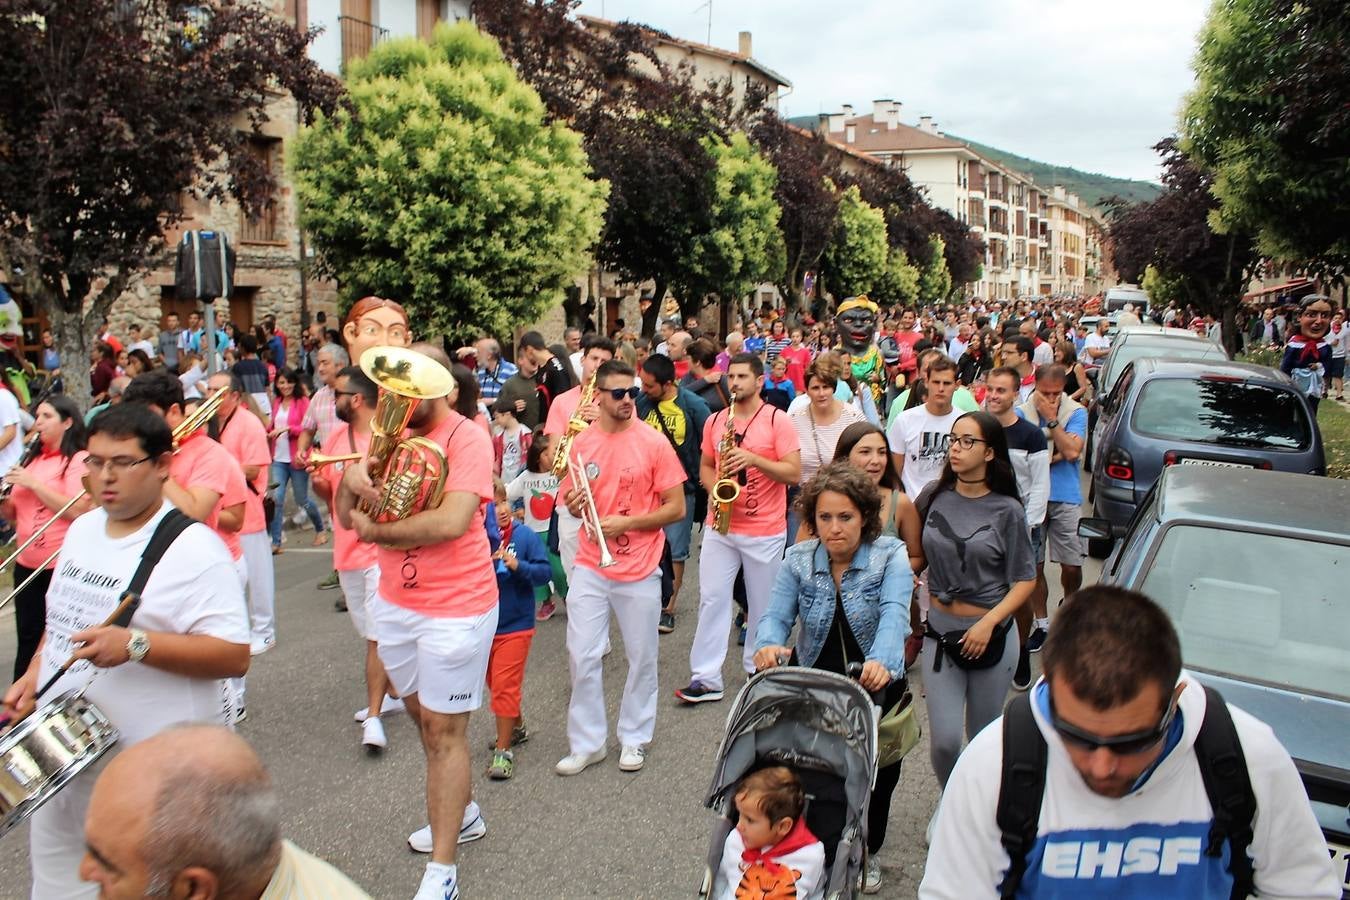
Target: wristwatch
{"type": "Point", "coordinates": [1052, 424]}
{"type": "Point", "coordinates": [137, 645]}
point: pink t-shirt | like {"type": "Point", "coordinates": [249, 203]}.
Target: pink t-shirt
{"type": "Point", "coordinates": [350, 554]}
{"type": "Point", "coordinates": [236, 491]}
{"type": "Point", "coordinates": [245, 437]}
{"type": "Point", "coordinates": [452, 579]}
{"type": "Point", "coordinates": [31, 513]}
{"type": "Point", "coordinates": [628, 471]}
{"type": "Point", "coordinates": [561, 410]}
{"type": "Point", "coordinates": [201, 462]}
{"type": "Point", "coordinates": [761, 509]}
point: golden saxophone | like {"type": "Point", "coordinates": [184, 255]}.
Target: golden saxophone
{"type": "Point", "coordinates": [727, 488]}
{"type": "Point", "coordinates": [575, 425]}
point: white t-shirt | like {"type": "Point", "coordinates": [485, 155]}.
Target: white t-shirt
{"type": "Point", "coordinates": [10, 414]}
{"type": "Point", "coordinates": [1096, 341]}
{"type": "Point", "coordinates": [144, 346]}
{"type": "Point", "coordinates": [513, 452]}
{"type": "Point", "coordinates": [1043, 355]}
{"type": "Point", "coordinates": [193, 590]}
{"type": "Point", "coordinates": [922, 437]}
{"type": "Point", "coordinates": [538, 491]}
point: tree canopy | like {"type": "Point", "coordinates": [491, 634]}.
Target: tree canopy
{"type": "Point", "coordinates": [935, 282]}
{"type": "Point", "coordinates": [112, 112]}
{"type": "Point", "coordinates": [856, 255]}
{"type": "Point", "coordinates": [1270, 116]}
{"type": "Point", "coordinates": [445, 187]}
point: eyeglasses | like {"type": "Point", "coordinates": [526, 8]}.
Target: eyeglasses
{"type": "Point", "coordinates": [117, 465]}
{"type": "Point", "coordinates": [966, 441]}
{"type": "Point", "coordinates": [629, 392]}
{"type": "Point", "coordinates": [1120, 744]}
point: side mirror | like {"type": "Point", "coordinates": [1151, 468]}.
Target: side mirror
{"type": "Point", "coordinates": [1096, 529]}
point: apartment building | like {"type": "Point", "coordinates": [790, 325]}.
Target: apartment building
{"type": "Point", "coordinates": [1036, 239]}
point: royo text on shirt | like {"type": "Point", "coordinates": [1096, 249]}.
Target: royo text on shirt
{"type": "Point", "coordinates": [1115, 859]}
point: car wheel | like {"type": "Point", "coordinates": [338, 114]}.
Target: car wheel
{"type": "Point", "coordinates": [1099, 548]}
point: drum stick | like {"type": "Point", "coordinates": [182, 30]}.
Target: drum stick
{"type": "Point", "coordinates": [127, 607]}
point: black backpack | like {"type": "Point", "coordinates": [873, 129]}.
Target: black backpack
{"type": "Point", "coordinates": [1223, 768]}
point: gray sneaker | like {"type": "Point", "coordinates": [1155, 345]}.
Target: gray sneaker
{"type": "Point", "coordinates": [328, 582]}
{"type": "Point", "coordinates": [872, 876]}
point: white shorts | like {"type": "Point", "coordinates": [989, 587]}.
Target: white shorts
{"type": "Point", "coordinates": [443, 661]}
{"type": "Point", "coordinates": [358, 586]}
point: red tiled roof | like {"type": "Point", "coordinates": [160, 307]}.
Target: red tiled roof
{"type": "Point", "coordinates": [597, 22]}
{"type": "Point", "coordinates": [871, 136]}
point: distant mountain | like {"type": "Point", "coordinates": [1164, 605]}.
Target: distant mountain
{"type": "Point", "coordinates": [1091, 187]}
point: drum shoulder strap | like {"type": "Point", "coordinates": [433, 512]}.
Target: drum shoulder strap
{"type": "Point", "coordinates": [166, 532]}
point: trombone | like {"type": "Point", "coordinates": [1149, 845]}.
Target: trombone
{"type": "Point", "coordinates": [192, 422]}
{"type": "Point", "coordinates": [319, 460]}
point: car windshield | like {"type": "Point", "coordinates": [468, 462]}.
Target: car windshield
{"type": "Point", "coordinates": [1230, 413]}
{"type": "Point", "coordinates": [1256, 606]}
{"type": "Point", "coordinates": [1127, 352]}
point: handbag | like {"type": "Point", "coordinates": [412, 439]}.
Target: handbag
{"type": "Point", "coordinates": [898, 730]}
{"type": "Point", "coordinates": [951, 644]}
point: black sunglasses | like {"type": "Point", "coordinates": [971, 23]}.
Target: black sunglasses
{"type": "Point", "coordinates": [1120, 744]}
{"type": "Point", "coordinates": [629, 392]}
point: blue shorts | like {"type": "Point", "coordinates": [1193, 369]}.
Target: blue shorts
{"type": "Point", "coordinates": [680, 532]}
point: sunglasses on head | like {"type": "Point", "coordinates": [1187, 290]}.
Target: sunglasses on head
{"type": "Point", "coordinates": [629, 392]}
{"type": "Point", "coordinates": [1120, 744]}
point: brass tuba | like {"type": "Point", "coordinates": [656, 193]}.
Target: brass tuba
{"type": "Point", "coordinates": [575, 425]}
{"type": "Point", "coordinates": [727, 488]}
{"type": "Point", "coordinates": [411, 470]}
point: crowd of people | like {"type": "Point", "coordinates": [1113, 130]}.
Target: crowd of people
{"type": "Point", "coordinates": [862, 507]}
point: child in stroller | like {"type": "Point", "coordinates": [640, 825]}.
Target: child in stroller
{"type": "Point", "coordinates": [771, 852]}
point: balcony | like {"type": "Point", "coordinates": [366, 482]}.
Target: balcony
{"type": "Point", "coordinates": [358, 36]}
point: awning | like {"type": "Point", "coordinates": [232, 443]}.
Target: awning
{"type": "Point", "coordinates": [1278, 288]}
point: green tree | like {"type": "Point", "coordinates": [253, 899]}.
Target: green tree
{"type": "Point", "coordinates": [445, 187]}
{"type": "Point", "coordinates": [1269, 116]}
{"type": "Point", "coordinates": [743, 245]}
{"type": "Point", "coordinates": [935, 284]}
{"type": "Point", "coordinates": [1162, 289]}
{"type": "Point", "coordinates": [855, 257]}
{"type": "Point", "coordinates": [899, 283]}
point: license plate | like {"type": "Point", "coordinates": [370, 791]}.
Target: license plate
{"type": "Point", "coordinates": [1192, 461]}
{"type": "Point", "coordinates": [1340, 859]}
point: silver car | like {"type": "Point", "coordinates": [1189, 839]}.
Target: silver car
{"type": "Point", "coordinates": [1252, 567]}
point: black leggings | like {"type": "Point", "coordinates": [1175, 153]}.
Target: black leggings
{"type": "Point", "coordinates": [30, 615]}
{"type": "Point", "coordinates": [879, 809]}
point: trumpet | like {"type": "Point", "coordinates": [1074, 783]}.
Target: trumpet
{"type": "Point", "coordinates": [725, 491]}
{"type": "Point", "coordinates": [191, 423]}
{"type": "Point", "coordinates": [412, 470]}
{"type": "Point", "coordinates": [590, 515]}
{"type": "Point", "coordinates": [574, 427]}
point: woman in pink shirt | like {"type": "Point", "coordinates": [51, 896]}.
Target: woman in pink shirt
{"type": "Point", "coordinates": [40, 489]}
{"type": "Point", "coordinates": [288, 416]}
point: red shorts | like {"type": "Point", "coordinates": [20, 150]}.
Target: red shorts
{"type": "Point", "coordinates": [506, 671]}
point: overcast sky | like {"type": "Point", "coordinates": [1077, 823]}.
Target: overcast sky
{"type": "Point", "coordinates": [1088, 84]}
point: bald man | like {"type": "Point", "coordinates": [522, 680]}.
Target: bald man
{"type": "Point", "coordinates": [678, 351]}
{"type": "Point", "coordinates": [192, 813]}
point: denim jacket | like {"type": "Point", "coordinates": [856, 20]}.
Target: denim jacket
{"type": "Point", "coordinates": [875, 591]}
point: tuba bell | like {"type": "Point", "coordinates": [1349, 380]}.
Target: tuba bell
{"type": "Point", "coordinates": [411, 471]}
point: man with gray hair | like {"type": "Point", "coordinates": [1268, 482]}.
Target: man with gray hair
{"type": "Point", "coordinates": [320, 420]}
{"type": "Point", "coordinates": [493, 371]}
{"type": "Point", "coordinates": [191, 812]}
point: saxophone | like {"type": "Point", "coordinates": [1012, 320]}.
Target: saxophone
{"type": "Point", "coordinates": [563, 452]}
{"type": "Point", "coordinates": [727, 488]}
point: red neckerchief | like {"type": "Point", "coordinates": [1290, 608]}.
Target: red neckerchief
{"type": "Point", "coordinates": [1029, 379]}
{"type": "Point", "coordinates": [506, 535]}
{"type": "Point", "coordinates": [1308, 351]}
{"type": "Point", "coordinates": [800, 836]}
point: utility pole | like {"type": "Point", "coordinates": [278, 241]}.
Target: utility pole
{"type": "Point", "coordinates": [710, 10]}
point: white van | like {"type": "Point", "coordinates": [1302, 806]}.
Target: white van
{"type": "Point", "coordinates": [1118, 296]}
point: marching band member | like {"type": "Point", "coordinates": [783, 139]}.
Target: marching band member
{"type": "Point", "coordinates": [766, 450]}
{"type": "Point", "coordinates": [435, 613]}
{"type": "Point", "coordinates": [244, 436]}
{"type": "Point", "coordinates": [40, 489]}
{"type": "Point", "coordinates": [636, 483]}
{"type": "Point", "coordinates": [595, 350]}
{"type": "Point", "coordinates": [358, 573]}
{"type": "Point", "coordinates": [188, 635]}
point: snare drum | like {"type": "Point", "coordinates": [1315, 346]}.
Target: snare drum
{"type": "Point", "coordinates": [46, 750]}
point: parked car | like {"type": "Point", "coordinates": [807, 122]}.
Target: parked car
{"type": "Point", "coordinates": [1164, 412]}
{"type": "Point", "coordinates": [1137, 342]}
{"type": "Point", "coordinates": [1251, 566]}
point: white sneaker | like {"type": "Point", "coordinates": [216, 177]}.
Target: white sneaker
{"type": "Point", "coordinates": [387, 705]}
{"type": "Point", "coordinates": [372, 735]}
{"type": "Point", "coordinates": [576, 763]}
{"type": "Point", "coordinates": [632, 759]}
{"type": "Point", "coordinates": [259, 646]}
{"type": "Point", "coordinates": [439, 882]}
{"type": "Point", "coordinates": [872, 876]}
{"type": "Point", "coordinates": [470, 830]}
{"type": "Point", "coordinates": [299, 518]}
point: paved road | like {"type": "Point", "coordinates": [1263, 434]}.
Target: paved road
{"type": "Point", "coordinates": [603, 833]}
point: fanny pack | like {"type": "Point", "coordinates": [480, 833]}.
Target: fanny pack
{"type": "Point", "coordinates": [951, 644]}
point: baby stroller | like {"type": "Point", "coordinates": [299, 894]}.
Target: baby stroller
{"type": "Point", "coordinates": [824, 727]}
